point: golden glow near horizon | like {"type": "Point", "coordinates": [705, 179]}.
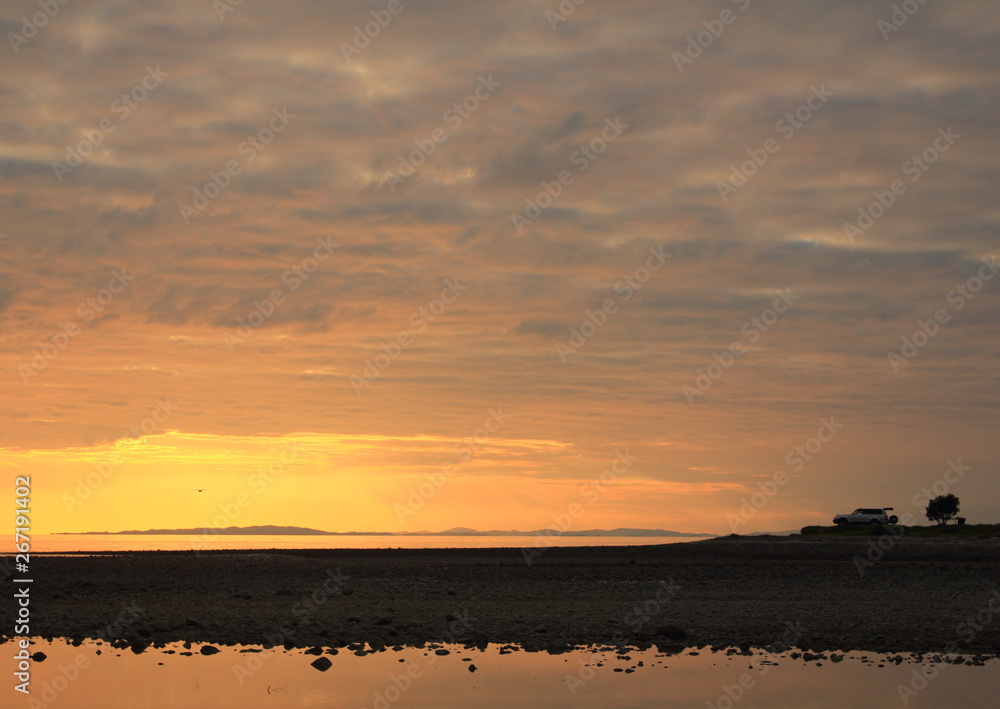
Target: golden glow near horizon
{"type": "Point", "coordinates": [368, 483]}
{"type": "Point", "coordinates": [453, 288]}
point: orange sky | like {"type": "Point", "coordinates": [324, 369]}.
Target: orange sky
{"type": "Point", "coordinates": [217, 251]}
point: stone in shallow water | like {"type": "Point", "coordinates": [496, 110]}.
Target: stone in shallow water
{"type": "Point", "coordinates": [209, 650]}
{"type": "Point", "coordinates": [314, 651]}
{"type": "Point", "coordinates": [322, 664]}
{"type": "Point", "coordinates": [38, 656]}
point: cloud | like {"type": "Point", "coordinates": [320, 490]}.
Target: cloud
{"type": "Point", "coordinates": [656, 185]}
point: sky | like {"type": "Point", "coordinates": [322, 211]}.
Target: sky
{"type": "Point", "coordinates": [411, 265]}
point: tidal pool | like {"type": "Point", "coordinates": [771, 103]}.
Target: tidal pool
{"type": "Point", "coordinates": [95, 675]}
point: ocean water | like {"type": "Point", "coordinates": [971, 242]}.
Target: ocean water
{"type": "Point", "coordinates": [96, 675]}
{"type": "Point", "coordinates": [64, 543]}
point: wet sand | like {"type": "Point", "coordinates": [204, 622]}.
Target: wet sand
{"type": "Point", "coordinates": [922, 595]}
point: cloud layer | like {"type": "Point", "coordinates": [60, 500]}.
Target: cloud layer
{"type": "Point", "coordinates": [223, 212]}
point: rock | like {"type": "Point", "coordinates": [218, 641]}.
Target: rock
{"type": "Point", "coordinates": [322, 664]}
{"type": "Point", "coordinates": [442, 651]}
{"type": "Point", "coordinates": [670, 648]}
{"type": "Point", "coordinates": [671, 632]}
{"type": "Point", "coordinates": [314, 651]}
{"type": "Point", "coordinates": [209, 650]}
{"type": "Point", "coordinates": [472, 668]}
{"type": "Point", "coordinates": [38, 656]}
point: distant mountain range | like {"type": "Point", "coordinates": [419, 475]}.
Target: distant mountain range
{"type": "Point", "coordinates": [269, 529]}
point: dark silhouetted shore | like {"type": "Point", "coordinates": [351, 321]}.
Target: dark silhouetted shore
{"type": "Point", "coordinates": [917, 595]}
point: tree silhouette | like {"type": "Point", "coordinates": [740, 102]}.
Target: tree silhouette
{"type": "Point", "coordinates": [942, 508]}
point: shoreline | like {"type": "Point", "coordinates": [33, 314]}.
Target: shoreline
{"type": "Point", "coordinates": [919, 595]}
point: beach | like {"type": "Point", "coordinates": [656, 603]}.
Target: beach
{"type": "Point", "coordinates": [817, 595]}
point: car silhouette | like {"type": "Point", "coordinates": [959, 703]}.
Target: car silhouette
{"type": "Point", "coordinates": [867, 515]}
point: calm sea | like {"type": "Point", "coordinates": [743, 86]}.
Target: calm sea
{"type": "Point", "coordinates": [55, 543]}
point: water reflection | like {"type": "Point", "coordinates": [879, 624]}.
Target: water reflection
{"type": "Point", "coordinates": [195, 677]}
{"type": "Point", "coordinates": [76, 543]}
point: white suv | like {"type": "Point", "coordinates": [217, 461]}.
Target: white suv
{"type": "Point", "coordinates": [867, 515]}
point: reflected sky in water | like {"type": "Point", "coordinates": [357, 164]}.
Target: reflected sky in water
{"type": "Point", "coordinates": [77, 677]}
{"type": "Point", "coordinates": [55, 543]}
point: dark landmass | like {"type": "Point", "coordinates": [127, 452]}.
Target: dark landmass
{"type": "Point", "coordinates": [269, 529]}
{"type": "Point", "coordinates": [948, 531]}
{"type": "Point", "coordinates": [876, 593]}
